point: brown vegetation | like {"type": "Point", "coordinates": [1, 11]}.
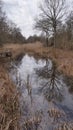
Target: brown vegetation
{"type": "Point", "coordinates": [63, 58]}
{"type": "Point", "coordinates": [9, 106]}
{"type": "Point", "coordinates": [9, 109]}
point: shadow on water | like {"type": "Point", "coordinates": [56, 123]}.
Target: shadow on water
{"type": "Point", "coordinates": [45, 101]}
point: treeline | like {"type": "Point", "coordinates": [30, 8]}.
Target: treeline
{"type": "Point", "coordinates": [35, 38]}
{"type": "Point", "coordinates": [64, 34]}
{"type": "Point", "coordinates": [9, 32]}
{"type": "Point", "coordinates": [53, 22]}
{"type": "Point", "coordinates": [56, 22]}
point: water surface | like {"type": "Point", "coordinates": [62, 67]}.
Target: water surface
{"type": "Point", "coordinates": [45, 115]}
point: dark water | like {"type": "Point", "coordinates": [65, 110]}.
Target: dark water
{"type": "Point", "coordinates": [38, 113]}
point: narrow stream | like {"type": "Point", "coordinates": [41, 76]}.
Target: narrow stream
{"type": "Point", "coordinates": [37, 112]}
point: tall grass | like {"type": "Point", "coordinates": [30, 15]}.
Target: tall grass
{"type": "Point", "coordinates": [9, 105]}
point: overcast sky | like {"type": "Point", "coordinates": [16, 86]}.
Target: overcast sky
{"type": "Point", "coordinates": [23, 12]}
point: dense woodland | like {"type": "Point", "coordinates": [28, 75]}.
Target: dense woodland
{"type": "Point", "coordinates": [53, 22]}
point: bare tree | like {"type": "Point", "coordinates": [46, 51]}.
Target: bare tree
{"type": "Point", "coordinates": [69, 25]}
{"type": "Point", "coordinates": [52, 11]}
{"type": "Point", "coordinates": [42, 25]}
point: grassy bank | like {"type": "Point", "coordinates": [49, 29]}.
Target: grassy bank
{"type": "Point", "coordinates": [9, 106]}
{"type": "Point", "coordinates": [63, 58]}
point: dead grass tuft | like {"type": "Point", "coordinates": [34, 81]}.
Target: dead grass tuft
{"type": "Point", "coordinates": [9, 106]}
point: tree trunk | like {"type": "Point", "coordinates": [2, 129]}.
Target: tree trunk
{"type": "Point", "coordinates": [54, 37]}
{"type": "Point", "coordinates": [46, 39]}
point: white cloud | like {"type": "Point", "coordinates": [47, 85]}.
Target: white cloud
{"type": "Point", "coordinates": [22, 13]}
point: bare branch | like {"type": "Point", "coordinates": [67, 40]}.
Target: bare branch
{"type": "Point", "coordinates": [52, 12]}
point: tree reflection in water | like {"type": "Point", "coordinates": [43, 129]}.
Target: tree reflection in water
{"type": "Point", "coordinates": [52, 86]}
